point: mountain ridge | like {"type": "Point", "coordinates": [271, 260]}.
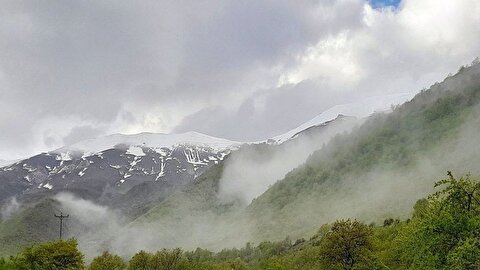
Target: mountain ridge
{"type": "Point", "coordinates": [125, 176]}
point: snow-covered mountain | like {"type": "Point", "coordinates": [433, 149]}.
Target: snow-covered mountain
{"type": "Point", "coordinates": [131, 171]}
{"type": "Point", "coordinates": [124, 171]}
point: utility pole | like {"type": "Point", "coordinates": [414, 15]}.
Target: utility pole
{"type": "Point", "coordinates": [61, 217]}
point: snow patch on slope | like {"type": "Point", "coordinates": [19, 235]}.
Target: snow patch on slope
{"type": "Point", "coordinates": [48, 186]}
{"type": "Point", "coordinates": [135, 151]}
{"type": "Point", "coordinates": [64, 156]}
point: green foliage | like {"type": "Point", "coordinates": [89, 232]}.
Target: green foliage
{"type": "Point", "coordinates": [442, 234]}
{"type": "Point", "coordinates": [445, 234]}
{"type": "Point", "coordinates": [383, 144]}
{"type": "Point", "coordinates": [52, 256]}
{"type": "Point", "coordinates": [421, 208]}
{"type": "Point", "coordinates": [161, 260]}
{"type": "Point", "coordinates": [347, 245]}
{"type": "Point", "coordinates": [140, 261]}
{"type": "Point", "coordinates": [6, 265]}
{"type": "Point", "coordinates": [168, 260]}
{"type": "Point", "coordinates": [460, 195]}
{"type": "Point", "coordinates": [466, 255]}
{"type": "Point", "coordinates": [107, 261]}
{"type": "Point", "coordinates": [30, 226]}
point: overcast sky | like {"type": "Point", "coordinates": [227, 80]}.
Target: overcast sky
{"type": "Point", "coordinates": [243, 70]}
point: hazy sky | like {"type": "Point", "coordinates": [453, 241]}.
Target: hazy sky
{"type": "Point", "coordinates": [244, 70]}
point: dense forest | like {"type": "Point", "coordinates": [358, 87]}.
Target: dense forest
{"type": "Point", "coordinates": [442, 233]}
{"type": "Point", "coordinates": [390, 157]}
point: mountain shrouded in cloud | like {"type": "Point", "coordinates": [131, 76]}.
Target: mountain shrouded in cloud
{"type": "Point", "coordinates": [256, 134]}
{"type": "Point", "coordinates": [246, 70]}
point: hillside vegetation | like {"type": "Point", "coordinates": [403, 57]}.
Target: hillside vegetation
{"type": "Point", "coordinates": [382, 167]}
{"type": "Point", "coordinates": [33, 225]}
{"type": "Point", "coordinates": [378, 170]}
{"type": "Point", "coordinates": [442, 233]}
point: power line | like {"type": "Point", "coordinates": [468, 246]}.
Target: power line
{"type": "Point", "coordinates": [61, 217]}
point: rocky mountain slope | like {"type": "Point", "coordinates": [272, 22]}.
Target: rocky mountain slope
{"type": "Point", "coordinates": [122, 171]}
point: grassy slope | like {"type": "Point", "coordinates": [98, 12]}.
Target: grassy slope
{"type": "Point", "coordinates": [198, 196]}
{"type": "Point", "coordinates": [32, 225]}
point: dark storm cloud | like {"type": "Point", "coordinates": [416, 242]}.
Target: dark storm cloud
{"type": "Point", "coordinates": [92, 60]}
{"type": "Point", "coordinates": [394, 50]}
{"type": "Point", "coordinates": [71, 70]}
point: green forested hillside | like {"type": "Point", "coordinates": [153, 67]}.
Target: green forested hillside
{"type": "Point", "coordinates": [442, 233]}
{"type": "Point", "coordinates": [200, 195]}
{"type": "Point", "coordinates": [376, 171]}
{"type": "Point", "coordinates": [382, 167]}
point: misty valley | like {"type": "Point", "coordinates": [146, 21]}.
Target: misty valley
{"type": "Point", "coordinates": [240, 135]}
{"type": "Point", "coordinates": [349, 192]}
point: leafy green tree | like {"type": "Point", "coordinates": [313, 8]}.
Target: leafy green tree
{"type": "Point", "coordinates": [162, 260]}
{"type": "Point", "coordinates": [140, 261]}
{"type": "Point", "coordinates": [465, 256]}
{"type": "Point", "coordinates": [168, 260]}
{"type": "Point", "coordinates": [107, 261]}
{"type": "Point", "coordinates": [6, 265]}
{"type": "Point", "coordinates": [460, 195]}
{"type": "Point", "coordinates": [199, 255]}
{"type": "Point", "coordinates": [421, 208]}
{"type": "Point", "coordinates": [346, 245]}
{"type": "Point", "coordinates": [445, 235]}
{"type": "Point", "coordinates": [52, 255]}
{"type": "Point", "coordinates": [238, 265]}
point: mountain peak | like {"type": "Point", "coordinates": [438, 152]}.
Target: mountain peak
{"type": "Point", "coordinates": [148, 139]}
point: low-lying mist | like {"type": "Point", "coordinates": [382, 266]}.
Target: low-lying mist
{"type": "Point", "coordinates": [252, 170]}
{"type": "Point", "coordinates": [372, 195]}
{"type": "Point", "coordinates": [98, 228]}
{"type": "Point", "coordinates": [381, 192]}
{"type": "Point", "coordinates": [247, 174]}
{"type": "Point", "coordinates": [91, 224]}
{"type": "Point", "coordinates": [9, 208]}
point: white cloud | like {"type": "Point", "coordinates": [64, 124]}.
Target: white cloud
{"type": "Point", "coordinates": [330, 58]}
{"type": "Point", "coordinates": [386, 50]}
{"type": "Point", "coordinates": [419, 38]}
